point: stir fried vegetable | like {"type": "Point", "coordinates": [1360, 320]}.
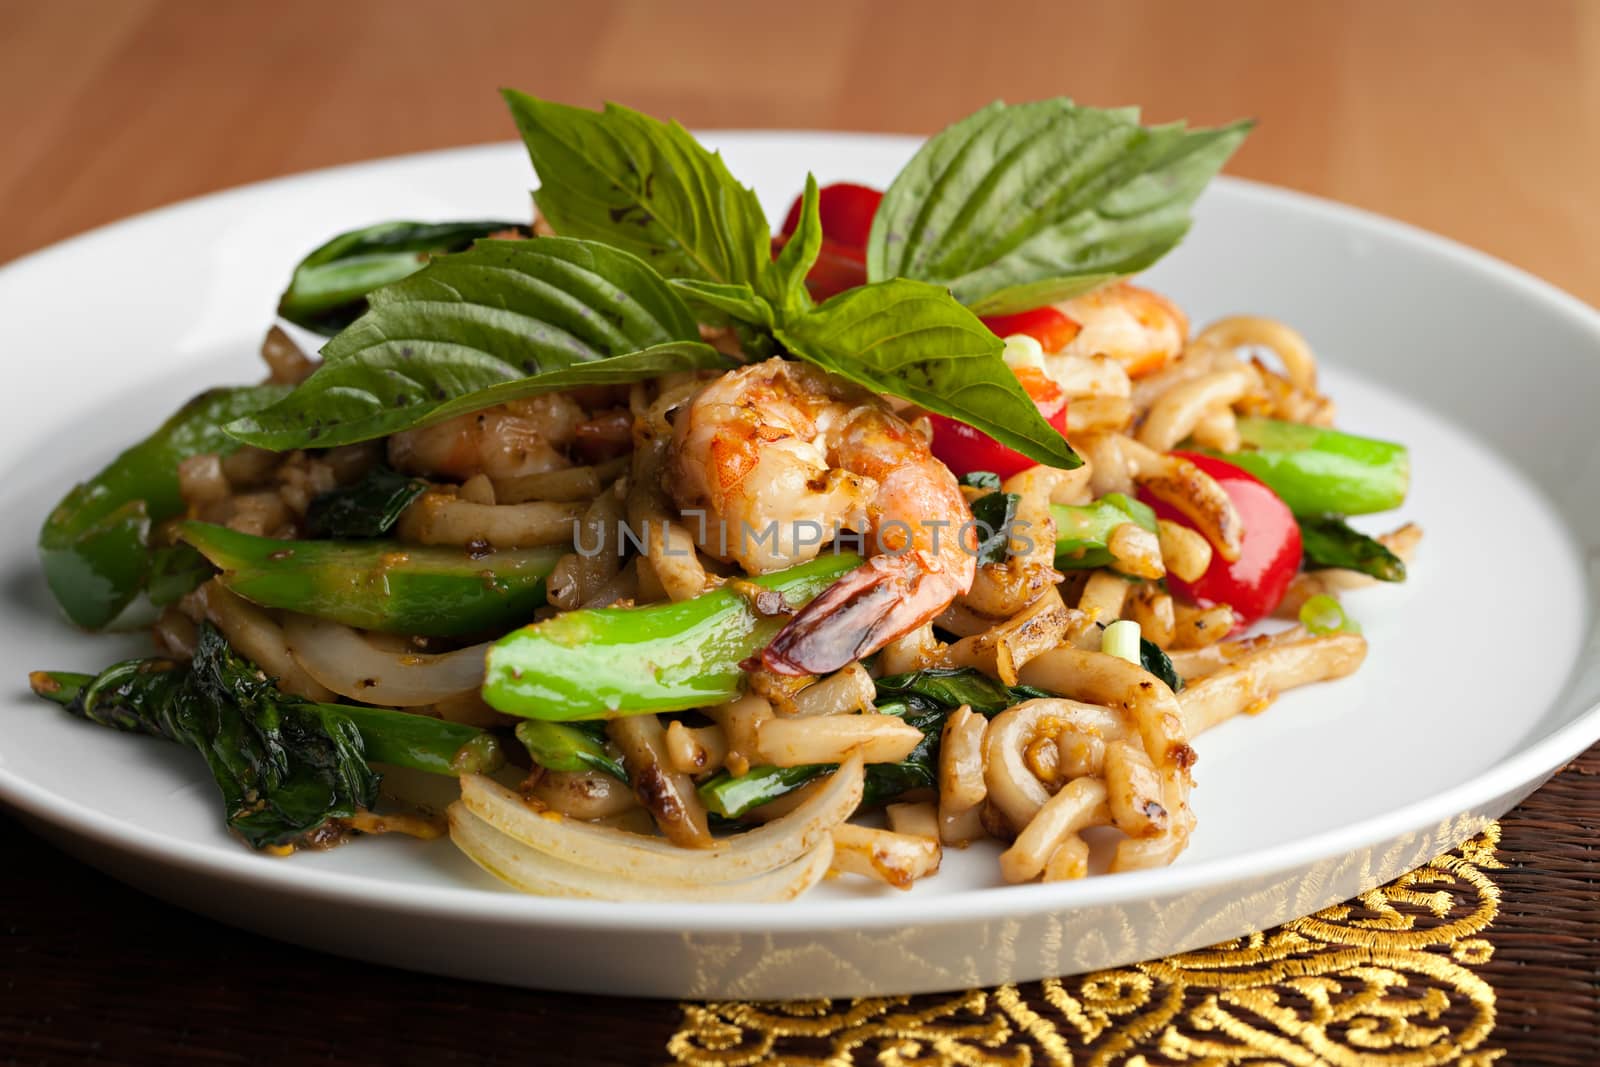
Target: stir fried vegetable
{"type": "Point", "coordinates": [569, 747]}
{"type": "Point", "coordinates": [995, 515]}
{"type": "Point", "coordinates": [175, 571]}
{"type": "Point", "coordinates": [368, 508]}
{"type": "Point", "coordinates": [733, 795]}
{"type": "Point", "coordinates": [427, 590]}
{"type": "Point", "coordinates": [95, 544]}
{"type": "Point", "coordinates": [1153, 659]}
{"type": "Point", "coordinates": [1083, 532]}
{"type": "Point", "coordinates": [1269, 554]}
{"type": "Point", "coordinates": [1321, 614]}
{"type": "Point", "coordinates": [598, 663]}
{"type": "Point", "coordinates": [951, 687]}
{"type": "Point", "coordinates": [1329, 541]}
{"type": "Point", "coordinates": [285, 766]}
{"type": "Point", "coordinates": [1318, 471]}
{"type": "Point", "coordinates": [329, 288]}
{"type": "Point", "coordinates": [1121, 639]}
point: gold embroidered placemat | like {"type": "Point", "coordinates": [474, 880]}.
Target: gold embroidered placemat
{"type": "Point", "coordinates": [1434, 968]}
{"type": "Point", "coordinates": [1389, 977]}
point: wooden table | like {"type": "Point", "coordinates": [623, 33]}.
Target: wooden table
{"type": "Point", "coordinates": [1480, 120]}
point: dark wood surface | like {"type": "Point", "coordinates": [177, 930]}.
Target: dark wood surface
{"type": "Point", "coordinates": [92, 971]}
{"type": "Point", "coordinates": [1477, 119]}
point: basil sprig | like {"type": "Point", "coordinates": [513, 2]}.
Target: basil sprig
{"type": "Point", "coordinates": [621, 177]}
{"type": "Point", "coordinates": [1015, 207]}
{"type": "Point", "coordinates": [505, 320]}
{"type": "Point", "coordinates": [1008, 209]}
{"type": "Point", "coordinates": [645, 186]}
{"type": "Point", "coordinates": [912, 340]}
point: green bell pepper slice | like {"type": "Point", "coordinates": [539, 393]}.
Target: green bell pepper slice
{"type": "Point", "coordinates": [604, 662]}
{"type": "Point", "coordinates": [94, 544]}
{"type": "Point", "coordinates": [427, 590]}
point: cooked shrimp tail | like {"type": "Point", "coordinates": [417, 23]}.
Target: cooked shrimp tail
{"type": "Point", "coordinates": [856, 616]}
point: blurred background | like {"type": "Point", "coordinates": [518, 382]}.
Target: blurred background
{"type": "Point", "coordinates": [1480, 120]}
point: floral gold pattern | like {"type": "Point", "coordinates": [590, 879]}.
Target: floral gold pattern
{"type": "Point", "coordinates": [1384, 979]}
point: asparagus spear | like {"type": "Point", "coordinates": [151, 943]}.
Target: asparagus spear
{"type": "Point", "coordinates": [329, 288]}
{"type": "Point", "coordinates": [1329, 542]}
{"type": "Point", "coordinates": [1319, 471]}
{"type": "Point", "coordinates": [285, 766]}
{"type": "Point", "coordinates": [1083, 531]}
{"type": "Point", "coordinates": [434, 591]}
{"type": "Point", "coordinates": [562, 746]}
{"type": "Point", "coordinates": [94, 544]}
{"type": "Point", "coordinates": [593, 664]}
{"type": "Point", "coordinates": [731, 795]}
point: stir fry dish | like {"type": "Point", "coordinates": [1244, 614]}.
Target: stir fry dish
{"type": "Point", "coordinates": [712, 563]}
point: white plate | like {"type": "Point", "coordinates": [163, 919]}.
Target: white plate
{"type": "Point", "coordinates": [1483, 676]}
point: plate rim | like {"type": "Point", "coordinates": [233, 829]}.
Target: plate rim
{"type": "Point", "coordinates": [1540, 757]}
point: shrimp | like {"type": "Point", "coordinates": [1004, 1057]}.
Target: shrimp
{"type": "Point", "coordinates": [1142, 330]}
{"type": "Point", "coordinates": [528, 436]}
{"type": "Point", "coordinates": [771, 455]}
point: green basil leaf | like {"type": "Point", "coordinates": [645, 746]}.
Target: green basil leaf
{"type": "Point", "coordinates": [366, 508]}
{"type": "Point", "coordinates": [949, 687]}
{"type": "Point", "coordinates": [1019, 206]}
{"type": "Point", "coordinates": [786, 276]}
{"type": "Point", "coordinates": [1158, 663]}
{"type": "Point", "coordinates": [912, 340]}
{"type": "Point", "coordinates": [329, 288]}
{"type": "Point", "coordinates": [715, 302]}
{"type": "Point", "coordinates": [644, 186]}
{"type": "Point", "coordinates": [996, 513]}
{"type": "Point", "coordinates": [505, 320]}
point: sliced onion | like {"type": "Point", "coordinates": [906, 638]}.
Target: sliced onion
{"type": "Point", "coordinates": [251, 630]}
{"type": "Point", "coordinates": [347, 663]}
{"type": "Point", "coordinates": [533, 871]}
{"type": "Point", "coordinates": [660, 862]}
